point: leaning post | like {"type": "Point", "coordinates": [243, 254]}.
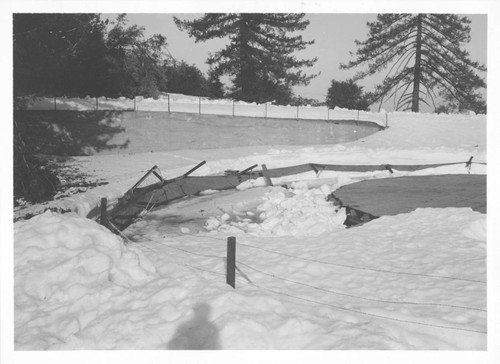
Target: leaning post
{"type": "Point", "coordinates": [104, 213]}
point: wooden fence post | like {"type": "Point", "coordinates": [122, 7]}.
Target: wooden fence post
{"type": "Point", "coordinates": [55, 104]}
{"type": "Point", "coordinates": [199, 105]}
{"type": "Point", "coordinates": [104, 213]}
{"type": "Point", "coordinates": [386, 120]}
{"type": "Point", "coordinates": [168, 102]}
{"type": "Point", "coordinates": [233, 108]}
{"type": "Point", "coordinates": [267, 179]}
{"type": "Point", "coordinates": [297, 112]}
{"type": "Point", "coordinates": [231, 262]}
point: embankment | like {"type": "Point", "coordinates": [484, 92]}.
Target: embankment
{"type": "Point", "coordinates": [73, 133]}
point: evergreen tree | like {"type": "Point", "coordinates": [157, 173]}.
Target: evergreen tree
{"type": "Point", "coordinates": [425, 55]}
{"type": "Point", "coordinates": [215, 86]}
{"type": "Point", "coordinates": [259, 57]}
{"type": "Point", "coordinates": [136, 61]}
{"type": "Point", "coordinates": [186, 79]}
{"type": "Point", "coordinates": [58, 54]}
{"type": "Point", "coordinates": [347, 94]}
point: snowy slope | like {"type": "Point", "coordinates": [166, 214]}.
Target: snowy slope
{"type": "Point", "coordinates": [415, 281]}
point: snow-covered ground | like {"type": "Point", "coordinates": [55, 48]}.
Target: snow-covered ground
{"type": "Point", "coordinates": [414, 281]}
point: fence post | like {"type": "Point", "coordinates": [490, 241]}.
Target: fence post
{"type": "Point", "coordinates": [135, 107]}
{"type": "Point", "coordinates": [358, 115]}
{"type": "Point", "coordinates": [231, 262]}
{"type": "Point", "coordinates": [199, 105]}
{"type": "Point", "coordinates": [386, 120]}
{"type": "Point", "coordinates": [97, 103]}
{"type": "Point", "coordinates": [104, 214]}
{"type": "Point", "coordinates": [168, 102]}
{"type": "Point", "coordinates": [233, 108]}
{"type": "Point", "coordinates": [55, 104]}
{"type": "Point", "coordinates": [297, 112]}
{"type": "Point", "coordinates": [267, 179]}
{"type": "Point", "coordinates": [328, 114]}
{"type": "Point", "coordinates": [265, 110]}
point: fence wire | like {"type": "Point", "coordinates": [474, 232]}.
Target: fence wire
{"type": "Point", "coordinates": [249, 282]}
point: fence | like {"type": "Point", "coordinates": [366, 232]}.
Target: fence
{"type": "Point", "coordinates": [203, 105]}
{"type": "Point", "coordinates": [238, 271]}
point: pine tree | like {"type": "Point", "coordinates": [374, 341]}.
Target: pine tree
{"type": "Point", "coordinates": [259, 57]}
{"type": "Point", "coordinates": [425, 56]}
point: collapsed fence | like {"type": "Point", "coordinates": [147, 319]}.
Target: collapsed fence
{"type": "Point", "coordinates": [143, 198]}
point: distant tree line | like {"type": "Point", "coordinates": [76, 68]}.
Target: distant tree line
{"type": "Point", "coordinates": [85, 55]}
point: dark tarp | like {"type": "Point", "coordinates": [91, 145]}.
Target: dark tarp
{"type": "Point", "coordinates": [392, 196]}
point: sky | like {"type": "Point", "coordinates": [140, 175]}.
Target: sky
{"type": "Point", "coordinates": [334, 36]}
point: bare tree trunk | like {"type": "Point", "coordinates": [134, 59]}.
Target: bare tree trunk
{"type": "Point", "coordinates": [416, 70]}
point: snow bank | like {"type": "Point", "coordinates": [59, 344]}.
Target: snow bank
{"type": "Point", "coordinates": [61, 260]}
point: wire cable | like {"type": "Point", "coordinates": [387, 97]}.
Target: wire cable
{"type": "Point", "coordinates": [366, 313]}
{"type": "Point", "coordinates": [364, 268]}
{"type": "Point", "coordinates": [360, 297]}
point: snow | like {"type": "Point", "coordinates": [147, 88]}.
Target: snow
{"type": "Point", "coordinates": [296, 212]}
{"type": "Point", "coordinates": [414, 281]}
